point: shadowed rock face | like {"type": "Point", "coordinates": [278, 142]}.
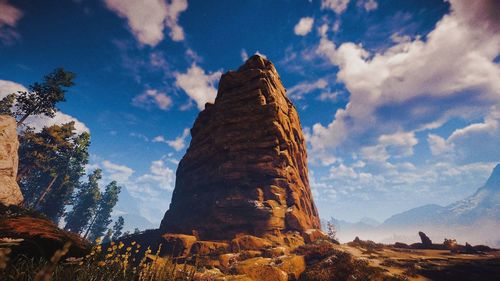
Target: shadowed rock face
{"type": "Point", "coordinates": [246, 168]}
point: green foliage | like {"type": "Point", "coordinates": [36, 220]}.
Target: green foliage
{"type": "Point", "coordinates": [51, 163]}
{"type": "Point", "coordinates": [41, 99]}
{"type": "Point", "coordinates": [6, 104]}
{"type": "Point", "coordinates": [117, 228]}
{"type": "Point", "coordinates": [85, 204]}
{"type": "Point", "coordinates": [102, 217]}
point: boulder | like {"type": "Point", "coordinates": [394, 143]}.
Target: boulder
{"type": "Point", "coordinates": [426, 241]}
{"type": "Point", "coordinates": [177, 245]}
{"type": "Point", "coordinates": [275, 252]}
{"type": "Point", "coordinates": [10, 194]}
{"type": "Point", "coordinates": [293, 265]}
{"type": "Point", "coordinates": [312, 235]}
{"type": "Point", "coordinates": [260, 269]}
{"type": "Point", "coordinates": [245, 170]}
{"type": "Point", "coordinates": [249, 242]}
{"type": "Point", "coordinates": [206, 248]}
{"type": "Point", "coordinates": [39, 237]}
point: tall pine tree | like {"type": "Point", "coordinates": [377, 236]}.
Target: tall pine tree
{"type": "Point", "coordinates": [51, 164]}
{"type": "Point", "coordinates": [102, 217]}
{"type": "Point", "coordinates": [41, 99]}
{"type": "Point", "coordinates": [85, 204]}
{"type": "Point", "coordinates": [117, 228]}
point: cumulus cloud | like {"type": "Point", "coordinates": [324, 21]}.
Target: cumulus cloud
{"type": "Point", "coordinates": [338, 6]}
{"type": "Point", "coordinates": [175, 8]}
{"type": "Point", "coordinates": [198, 85]}
{"type": "Point", "coordinates": [117, 172]}
{"type": "Point", "coordinates": [438, 145]}
{"type": "Point", "coordinates": [152, 97]}
{"type": "Point", "coordinates": [160, 175]}
{"type": "Point", "coordinates": [147, 19]}
{"type": "Point", "coordinates": [415, 83]}
{"type": "Point", "coordinates": [403, 179]}
{"type": "Point", "coordinates": [178, 143]}
{"type": "Point", "coordinates": [304, 26]}
{"type": "Point", "coordinates": [474, 141]}
{"type": "Point", "coordinates": [490, 125]}
{"type": "Point", "coordinates": [40, 121]}
{"type": "Point", "coordinates": [298, 91]}
{"type": "Point", "coordinates": [151, 190]}
{"type": "Point", "coordinates": [9, 17]}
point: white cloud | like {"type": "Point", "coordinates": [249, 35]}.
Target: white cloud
{"type": "Point", "coordinates": [159, 174]}
{"type": "Point", "coordinates": [40, 121]}
{"type": "Point", "coordinates": [397, 145]}
{"type": "Point", "coordinates": [402, 180]}
{"type": "Point", "coordinates": [338, 6]}
{"type": "Point", "coordinates": [438, 145]}
{"type": "Point", "coordinates": [10, 87]}
{"type": "Point", "coordinates": [370, 5]}
{"type": "Point", "coordinates": [152, 97]}
{"type": "Point", "coordinates": [298, 91]}
{"type": "Point", "coordinates": [117, 172]}
{"type": "Point", "coordinates": [416, 77]}
{"type": "Point", "coordinates": [244, 55]}
{"type": "Point", "coordinates": [9, 17]}
{"type": "Point", "coordinates": [328, 96]}
{"type": "Point", "coordinates": [198, 85]}
{"type": "Point", "coordinates": [147, 19]}
{"type": "Point", "coordinates": [474, 142]}
{"type": "Point", "coordinates": [490, 124]}
{"type": "Point", "coordinates": [151, 190]}
{"type": "Point", "coordinates": [178, 143]}
{"type": "Point", "coordinates": [175, 8]}
{"type": "Point", "coordinates": [323, 29]}
{"type": "Point", "coordinates": [304, 26]}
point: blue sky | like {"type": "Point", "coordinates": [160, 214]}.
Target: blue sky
{"type": "Point", "coordinates": [399, 100]}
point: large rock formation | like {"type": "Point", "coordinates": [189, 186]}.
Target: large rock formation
{"type": "Point", "coordinates": [10, 194]}
{"type": "Point", "coordinates": [246, 168]}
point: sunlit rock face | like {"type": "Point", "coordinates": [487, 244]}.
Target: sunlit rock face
{"type": "Point", "coordinates": [245, 170]}
{"type": "Point", "coordinates": [10, 194]}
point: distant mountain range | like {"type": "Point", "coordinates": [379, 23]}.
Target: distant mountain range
{"type": "Point", "coordinates": [475, 219]}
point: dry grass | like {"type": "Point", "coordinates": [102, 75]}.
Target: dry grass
{"type": "Point", "coordinates": [117, 262]}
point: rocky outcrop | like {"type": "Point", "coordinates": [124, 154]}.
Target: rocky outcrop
{"type": "Point", "coordinates": [426, 241]}
{"type": "Point", "coordinates": [36, 236]}
{"type": "Point", "coordinates": [10, 194]}
{"type": "Point", "coordinates": [245, 170]}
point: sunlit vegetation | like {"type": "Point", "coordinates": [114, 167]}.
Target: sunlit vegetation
{"type": "Point", "coordinates": [113, 261]}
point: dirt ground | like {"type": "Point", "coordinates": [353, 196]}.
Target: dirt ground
{"type": "Point", "coordinates": [431, 264]}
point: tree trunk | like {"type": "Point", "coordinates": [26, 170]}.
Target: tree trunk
{"type": "Point", "coordinates": [47, 189]}
{"type": "Point", "coordinates": [20, 122]}
{"type": "Point", "coordinates": [91, 224]}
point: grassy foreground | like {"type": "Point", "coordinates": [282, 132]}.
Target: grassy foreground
{"type": "Point", "coordinates": [116, 262]}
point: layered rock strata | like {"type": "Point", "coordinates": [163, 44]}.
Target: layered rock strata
{"type": "Point", "coordinates": [245, 171]}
